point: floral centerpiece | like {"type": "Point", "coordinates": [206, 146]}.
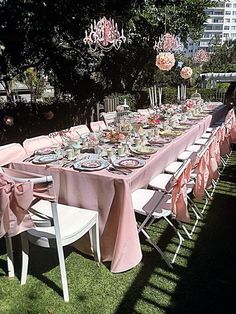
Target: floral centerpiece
{"type": "Point", "coordinates": [186, 72]}
{"type": "Point", "coordinates": [154, 119]}
{"type": "Point", "coordinates": [165, 61]}
{"type": "Point", "coordinates": [114, 136]}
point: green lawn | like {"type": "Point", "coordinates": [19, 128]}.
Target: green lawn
{"type": "Point", "coordinates": [203, 279]}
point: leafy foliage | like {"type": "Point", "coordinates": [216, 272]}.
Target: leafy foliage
{"type": "Point", "coordinates": [49, 35]}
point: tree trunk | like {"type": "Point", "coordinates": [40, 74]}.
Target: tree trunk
{"type": "Point", "coordinates": [7, 86]}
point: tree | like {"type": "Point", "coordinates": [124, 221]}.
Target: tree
{"type": "Point", "coordinates": [50, 34]}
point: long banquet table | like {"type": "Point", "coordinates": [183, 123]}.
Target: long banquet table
{"type": "Point", "coordinates": [110, 195]}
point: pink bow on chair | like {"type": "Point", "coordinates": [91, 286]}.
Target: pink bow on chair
{"type": "Point", "coordinates": [15, 199]}
{"type": "Point", "coordinates": [213, 164]}
{"type": "Point", "coordinates": [179, 196]}
{"type": "Point", "coordinates": [202, 177]}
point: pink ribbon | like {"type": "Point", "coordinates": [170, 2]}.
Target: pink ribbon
{"type": "Point", "coordinates": [15, 199]}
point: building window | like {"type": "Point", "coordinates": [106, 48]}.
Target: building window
{"type": "Point", "coordinates": [234, 5]}
{"type": "Point", "coordinates": [233, 35]}
{"type": "Point", "coordinates": [234, 12]}
{"type": "Point", "coordinates": [227, 20]}
{"type": "Point", "coordinates": [227, 12]}
{"type": "Point", "coordinates": [233, 28]}
{"type": "Point", "coordinates": [233, 20]}
{"type": "Point", "coordinates": [226, 35]}
{"type": "Point", "coordinates": [228, 5]}
{"type": "Point", "coordinates": [226, 28]}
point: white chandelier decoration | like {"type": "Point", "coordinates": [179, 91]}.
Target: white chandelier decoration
{"type": "Point", "coordinates": [104, 34]}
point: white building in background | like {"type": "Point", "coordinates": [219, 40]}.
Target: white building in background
{"type": "Point", "coordinates": [221, 23]}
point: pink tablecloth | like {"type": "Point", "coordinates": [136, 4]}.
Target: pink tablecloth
{"type": "Point", "coordinates": [110, 195]}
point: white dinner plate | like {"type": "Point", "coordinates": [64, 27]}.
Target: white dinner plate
{"type": "Point", "coordinates": [45, 159]}
{"type": "Point", "coordinates": [128, 162]}
{"type": "Point", "coordinates": [91, 164]}
{"type": "Point", "coordinates": [142, 150]}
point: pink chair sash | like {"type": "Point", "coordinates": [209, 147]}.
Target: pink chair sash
{"type": "Point", "coordinates": [11, 153]}
{"type": "Point", "coordinates": [202, 177]}
{"type": "Point", "coordinates": [179, 196]}
{"type": "Point", "coordinates": [213, 164]}
{"type": "Point", "coordinates": [15, 199]}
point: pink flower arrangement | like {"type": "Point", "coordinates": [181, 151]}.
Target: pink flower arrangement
{"type": "Point", "coordinates": [154, 119]}
{"type": "Point", "coordinates": [186, 72]}
{"type": "Point", "coordinates": [165, 61]}
{"type": "Point", "coordinates": [201, 56]}
{"type": "Point", "coordinates": [140, 119]}
{"type": "Point", "coordinates": [189, 103]}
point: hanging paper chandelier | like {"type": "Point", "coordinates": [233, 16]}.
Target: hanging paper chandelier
{"type": "Point", "coordinates": [104, 35]}
{"type": "Point", "coordinates": [201, 56]}
{"type": "Point", "coordinates": [186, 73]}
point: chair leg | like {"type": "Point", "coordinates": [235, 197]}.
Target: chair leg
{"type": "Point", "coordinates": [94, 234]}
{"type": "Point", "coordinates": [157, 248]}
{"type": "Point", "coordinates": [193, 205]}
{"type": "Point", "coordinates": [181, 239]}
{"type": "Point", "coordinates": [10, 263]}
{"type": "Point", "coordinates": [185, 229]}
{"type": "Point", "coordinates": [25, 257]}
{"type": "Point", "coordinates": [63, 272]}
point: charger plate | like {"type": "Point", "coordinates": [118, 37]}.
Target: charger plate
{"type": "Point", "coordinates": [128, 162]}
{"type": "Point", "coordinates": [91, 164]}
{"type": "Point", "coordinates": [45, 159]}
{"type": "Point", "coordinates": [143, 149]}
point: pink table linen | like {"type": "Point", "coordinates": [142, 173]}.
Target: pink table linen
{"type": "Point", "coordinates": [10, 153]}
{"type": "Point", "coordinates": [15, 199]}
{"type": "Point", "coordinates": [110, 195]}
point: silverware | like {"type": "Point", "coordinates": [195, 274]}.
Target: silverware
{"type": "Point", "coordinates": [28, 159]}
{"type": "Point", "coordinates": [118, 170]}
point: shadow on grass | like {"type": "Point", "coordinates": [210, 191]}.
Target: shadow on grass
{"type": "Point", "coordinates": [207, 284]}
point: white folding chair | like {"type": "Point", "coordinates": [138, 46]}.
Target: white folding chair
{"type": "Point", "coordinates": [109, 117]}
{"type": "Point", "coordinates": [79, 130]}
{"type": "Point", "coordinates": [11, 153]}
{"type": "Point", "coordinates": [98, 126]}
{"type": "Point", "coordinates": [159, 203]}
{"type": "Point", "coordinates": [32, 144]}
{"type": "Point", "coordinates": [68, 224]}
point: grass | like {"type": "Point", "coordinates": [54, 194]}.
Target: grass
{"type": "Point", "coordinates": [203, 279]}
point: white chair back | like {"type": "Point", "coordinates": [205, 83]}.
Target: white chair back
{"type": "Point", "coordinates": [32, 144]}
{"type": "Point", "coordinates": [109, 117]}
{"type": "Point", "coordinates": [79, 130]}
{"type": "Point", "coordinates": [98, 126]}
{"type": "Point", "coordinates": [11, 153]}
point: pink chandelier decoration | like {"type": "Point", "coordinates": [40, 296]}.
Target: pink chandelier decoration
{"type": "Point", "coordinates": [104, 35]}
{"type": "Point", "coordinates": [201, 56]}
{"type": "Point", "coordinates": [165, 46]}
{"type": "Point", "coordinates": [186, 73]}
{"type": "Point", "coordinates": [167, 43]}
